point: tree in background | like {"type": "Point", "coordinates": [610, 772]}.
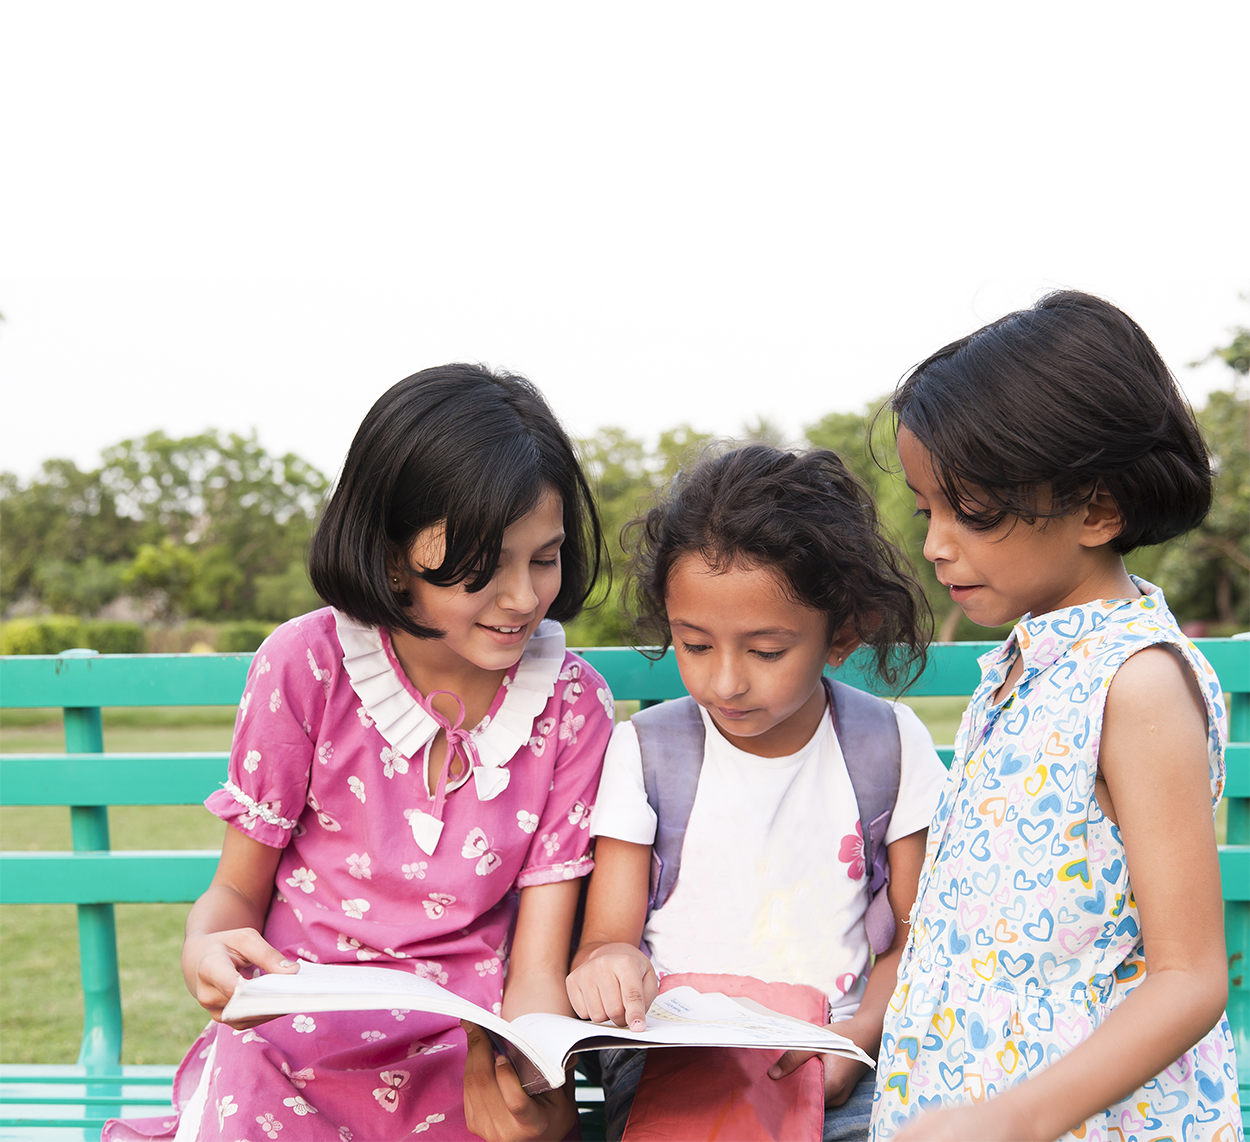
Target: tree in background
{"type": "Point", "coordinates": [210, 526]}
{"type": "Point", "coordinates": [1206, 574]}
{"type": "Point", "coordinates": [65, 542]}
{"type": "Point", "coordinates": [213, 527]}
{"type": "Point", "coordinates": [624, 476]}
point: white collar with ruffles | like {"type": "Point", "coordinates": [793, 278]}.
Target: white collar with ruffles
{"type": "Point", "coordinates": [408, 727]}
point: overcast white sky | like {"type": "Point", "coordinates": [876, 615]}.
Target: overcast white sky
{"type": "Point", "coordinates": [247, 215]}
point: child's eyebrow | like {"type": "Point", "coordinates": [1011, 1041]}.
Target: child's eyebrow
{"type": "Point", "coordinates": [784, 632]}
{"type": "Point", "coordinates": [557, 538]}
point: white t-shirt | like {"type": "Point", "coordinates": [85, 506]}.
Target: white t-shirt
{"type": "Point", "coordinates": [772, 881]}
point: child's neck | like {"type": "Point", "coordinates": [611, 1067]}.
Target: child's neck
{"type": "Point", "coordinates": [1109, 580]}
{"type": "Point", "coordinates": [431, 666]}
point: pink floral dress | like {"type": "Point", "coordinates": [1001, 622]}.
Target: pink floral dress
{"type": "Point", "coordinates": [328, 764]}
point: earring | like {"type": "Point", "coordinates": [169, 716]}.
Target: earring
{"type": "Point", "coordinates": [395, 580]}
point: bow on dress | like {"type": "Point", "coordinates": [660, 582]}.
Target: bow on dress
{"type": "Point", "coordinates": [490, 781]}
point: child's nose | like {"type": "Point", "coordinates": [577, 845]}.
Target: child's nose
{"type": "Point", "coordinates": [937, 542]}
{"type": "Point", "coordinates": [516, 591]}
{"type": "Point", "coordinates": [727, 679]}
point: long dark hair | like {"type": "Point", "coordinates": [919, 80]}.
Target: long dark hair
{"type": "Point", "coordinates": [457, 445]}
{"type": "Point", "coordinates": [1026, 416]}
{"type": "Point", "coordinates": [807, 517]}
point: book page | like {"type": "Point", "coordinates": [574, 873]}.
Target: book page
{"type": "Point", "coordinates": [684, 1017]}
{"type": "Point", "coordinates": [680, 1017]}
{"type": "Point", "coordinates": [356, 987]}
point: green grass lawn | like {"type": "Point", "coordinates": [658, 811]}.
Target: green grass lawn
{"type": "Point", "coordinates": [40, 997]}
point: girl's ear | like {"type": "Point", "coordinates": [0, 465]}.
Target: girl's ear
{"type": "Point", "coordinates": [844, 642]}
{"type": "Point", "coordinates": [1102, 521]}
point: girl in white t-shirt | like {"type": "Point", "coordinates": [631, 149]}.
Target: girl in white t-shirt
{"type": "Point", "coordinates": [761, 567]}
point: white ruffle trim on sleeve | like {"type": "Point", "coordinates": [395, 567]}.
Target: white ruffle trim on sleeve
{"type": "Point", "coordinates": [400, 719]}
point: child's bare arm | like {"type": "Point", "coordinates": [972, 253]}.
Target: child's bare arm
{"type": "Point", "coordinates": [1153, 758]}
{"type": "Point", "coordinates": [223, 927]}
{"type": "Point", "coordinates": [496, 1106]}
{"type": "Point", "coordinates": [906, 856]}
{"type": "Point", "coordinates": [612, 978]}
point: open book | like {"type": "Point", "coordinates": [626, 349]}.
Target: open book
{"type": "Point", "coordinates": [681, 1017]}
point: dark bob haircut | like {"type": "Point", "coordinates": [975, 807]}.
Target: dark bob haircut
{"type": "Point", "coordinates": [1027, 416]}
{"type": "Point", "coordinates": [457, 445]}
{"type": "Point", "coordinates": [805, 516]}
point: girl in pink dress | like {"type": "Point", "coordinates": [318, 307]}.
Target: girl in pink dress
{"type": "Point", "coordinates": [410, 783]}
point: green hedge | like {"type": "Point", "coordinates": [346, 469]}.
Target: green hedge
{"type": "Point", "coordinates": [51, 634]}
{"type": "Point", "coordinates": [237, 638]}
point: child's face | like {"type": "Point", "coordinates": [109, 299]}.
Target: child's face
{"type": "Point", "coordinates": [1016, 568]}
{"type": "Point", "coordinates": [489, 628]}
{"type": "Point", "coordinates": [748, 654]}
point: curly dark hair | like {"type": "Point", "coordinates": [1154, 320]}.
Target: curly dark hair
{"type": "Point", "coordinates": [1028, 415]}
{"type": "Point", "coordinates": [806, 516]}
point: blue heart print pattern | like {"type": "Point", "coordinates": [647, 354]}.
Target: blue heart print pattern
{"type": "Point", "coordinates": [1025, 932]}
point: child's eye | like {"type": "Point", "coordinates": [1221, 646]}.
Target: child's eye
{"type": "Point", "coordinates": [922, 511]}
{"type": "Point", "coordinates": [552, 562]}
{"type": "Point", "coordinates": [694, 647]}
{"type": "Point", "coordinates": [768, 655]}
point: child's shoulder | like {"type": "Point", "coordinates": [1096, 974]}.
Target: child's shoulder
{"type": "Point", "coordinates": [1118, 628]}
{"type": "Point", "coordinates": [296, 637]}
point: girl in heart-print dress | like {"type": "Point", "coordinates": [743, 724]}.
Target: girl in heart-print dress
{"type": "Point", "coordinates": [410, 784]}
{"type": "Point", "coordinates": [1066, 972]}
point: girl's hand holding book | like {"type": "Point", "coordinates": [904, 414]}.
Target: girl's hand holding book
{"type": "Point", "coordinates": [496, 1106]}
{"type": "Point", "coordinates": [616, 982]}
{"type": "Point", "coordinates": [211, 963]}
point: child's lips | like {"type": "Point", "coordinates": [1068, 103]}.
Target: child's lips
{"type": "Point", "coordinates": [505, 634]}
{"type": "Point", "coordinates": [732, 715]}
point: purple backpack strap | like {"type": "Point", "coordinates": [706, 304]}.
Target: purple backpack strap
{"type": "Point", "coordinates": [868, 734]}
{"type": "Point", "coordinates": [670, 738]}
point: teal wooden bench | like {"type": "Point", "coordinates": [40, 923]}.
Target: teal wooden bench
{"type": "Point", "coordinates": [52, 1102]}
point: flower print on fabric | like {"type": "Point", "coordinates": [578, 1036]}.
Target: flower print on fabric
{"type": "Point", "coordinates": [319, 792]}
{"type": "Point", "coordinates": [851, 852]}
{"type": "Point", "coordinates": [1025, 933]}
{"type": "Point", "coordinates": [299, 1079]}
{"type": "Point", "coordinates": [431, 971]}
{"type": "Point", "coordinates": [300, 1105]}
{"type": "Point", "coordinates": [393, 762]}
{"type": "Point", "coordinates": [570, 724]}
{"type": "Point", "coordinates": [322, 676]}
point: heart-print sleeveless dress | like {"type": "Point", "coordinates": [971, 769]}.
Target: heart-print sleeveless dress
{"type": "Point", "coordinates": [1025, 933]}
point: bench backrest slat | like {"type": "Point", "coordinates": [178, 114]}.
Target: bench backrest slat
{"type": "Point", "coordinates": [94, 877]}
